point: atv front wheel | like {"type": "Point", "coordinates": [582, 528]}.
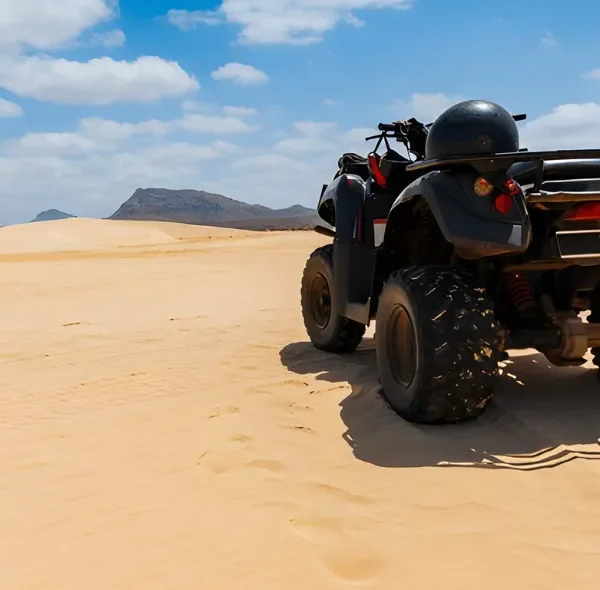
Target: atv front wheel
{"type": "Point", "coordinates": [326, 329]}
{"type": "Point", "coordinates": [437, 345]}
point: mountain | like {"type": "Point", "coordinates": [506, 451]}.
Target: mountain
{"type": "Point", "coordinates": [201, 207]}
{"type": "Point", "coordinates": [51, 215]}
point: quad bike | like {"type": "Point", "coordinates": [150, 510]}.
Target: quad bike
{"type": "Point", "coordinates": [472, 248]}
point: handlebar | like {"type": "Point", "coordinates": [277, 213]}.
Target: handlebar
{"type": "Point", "coordinates": [387, 126]}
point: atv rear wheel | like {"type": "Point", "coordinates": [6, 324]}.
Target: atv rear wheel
{"type": "Point", "coordinates": [326, 329]}
{"type": "Point", "coordinates": [437, 345]}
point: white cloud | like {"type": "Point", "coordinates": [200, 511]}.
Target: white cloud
{"type": "Point", "coordinates": [178, 153]}
{"type": "Point", "coordinates": [93, 134]}
{"type": "Point", "coordinates": [354, 22]}
{"type": "Point", "coordinates": [50, 24]}
{"type": "Point", "coordinates": [304, 145]}
{"type": "Point", "coordinates": [114, 38]}
{"type": "Point", "coordinates": [297, 22]}
{"type": "Point", "coordinates": [317, 137]}
{"type": "Point", "coordinates": [423, 106]}
{"type": "Point", "coordinates": [314, 128]}
{"type": "Point", "coordinates": [50, 144]}
{"type": "Point", "coordinates": [593, 75]}
{"type": "Point", "coordinates": [99, 81]}
{"type": "Point", "coordinates": [356, 137]}
{"type": "Point", "coordinates": [325, 140]}
{"type": "Point", "coordinates": [106, 129]}
{"type": "Point", "coordinates": [201, 123]}
{"type": "Point", "coordinates": [96, 135]}
{"type": "Point", "coordinates": [193, 105]}
{"type": "Point", "coordinates": [9, 109]}
{"type": "Point", "coordinates": [568, 126]}
{"type": "Point", "coordinates": [331, 103]}
{"type": "Point", "coordinates": [226, 148]}
{"type": "Point", "coordinates": [186, 20]}
{"type": "Point", "coordinates": [267, 160]}
{"type": "Point", "coordinates": [240, 111]}
{"type": "Point", "coordinates": [240, 74]}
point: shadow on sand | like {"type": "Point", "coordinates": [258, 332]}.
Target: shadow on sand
{"type": "Point", "coordinates": [542, 416]}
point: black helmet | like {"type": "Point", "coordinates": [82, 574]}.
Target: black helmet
{"type": "Point", "coordinates": [472, 127]}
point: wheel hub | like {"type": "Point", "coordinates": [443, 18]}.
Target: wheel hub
{"type": "Point", "coordinates": [320, 301]}
{"type": "Point", "coordinates": [401, 344]}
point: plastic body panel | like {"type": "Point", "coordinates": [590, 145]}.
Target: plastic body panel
{"type": "Point", "coordinates": [469, 222]}
{"type": "Point", "coordinates": [352, 205]}
{"type": "Point", "coordinates": [342, 205]}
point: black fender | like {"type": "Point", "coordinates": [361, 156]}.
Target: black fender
{"type": "Point", "coordinates": [342, 204]}
{"type": "Point", "coordinates": [468, 221]}
{"type": "Point", "coordinates": [326, 205]}
{"type": "Point", "coordinates": [343, 188]}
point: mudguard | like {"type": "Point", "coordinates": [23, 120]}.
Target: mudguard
{"type": "Point", "coordinates": [466, 220]}
{"type": "Point", "coordinates": [342, 188]}
{"type": "Point", "coordinates": [342, 204]}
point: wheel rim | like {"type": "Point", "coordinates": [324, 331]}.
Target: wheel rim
{"type": "Point", "coordinates": [320, 301]}
{"type": "Point", "coordinates": [401, 346]}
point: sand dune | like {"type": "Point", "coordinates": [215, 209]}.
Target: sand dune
{"type": "Point", "coordinates": [80, 234]}
{"type": "Point", "coordinates": [166, 426]}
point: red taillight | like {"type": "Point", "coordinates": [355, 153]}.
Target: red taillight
{"type": "Point", "coordinates": [584, 212]}
{"type": "Point", "coordinates": [503, 203]}
{"type": "Point", "coordinates": [374, 165]}
{"type": "Point", "coordinates": [512, 187]}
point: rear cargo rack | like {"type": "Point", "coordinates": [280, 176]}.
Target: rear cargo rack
{"type": "Point", "coordinates": [507, 159]}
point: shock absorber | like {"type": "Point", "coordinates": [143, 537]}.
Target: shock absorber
{"type": "Point", "coordinates": [520, 293]}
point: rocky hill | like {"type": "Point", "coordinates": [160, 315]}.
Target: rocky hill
{"type": "Point", "coordinates": [201, 207]}
{"type": "Point", "coordinates": [51, 215]}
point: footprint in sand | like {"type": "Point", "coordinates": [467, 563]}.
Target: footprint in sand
{"type": "Point", "coordinates": [280, 387]}
{"type": "Point", "coordinates": [338, 494]}
{"type": "Point", "coordinates": [294, 407]}
{"type": "Point", "coordinates": [344, 557]}
{"type": "Point", "coordinates": [227, 410]}
{"type": "Point", "coordinates": [300, 428]}
{"type": "Point", "coordinates": [266, 464]}
{"type": "Point", "coordinates": [240, 438]}
{"type": "Point", "coordinates": [223, 462]}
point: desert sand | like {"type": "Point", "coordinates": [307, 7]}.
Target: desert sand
{"type": "Point", "coordinates": [166, 426]}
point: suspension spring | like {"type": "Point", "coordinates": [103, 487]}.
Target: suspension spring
{"type": "Point", "coordinates": [520, 292]}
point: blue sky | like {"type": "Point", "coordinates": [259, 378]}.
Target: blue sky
{"type": "Point", "coordinates": [257, 98]}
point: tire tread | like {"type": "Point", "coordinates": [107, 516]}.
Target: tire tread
{"type": "Point", "coordinates": [461, 344]}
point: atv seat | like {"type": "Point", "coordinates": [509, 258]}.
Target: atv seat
{"type": "Point", "coordinates": [351, 158]}
{"type": "Point", "coordinates": [351, 163]}
{"type": "Point", "coordinates": [524, 172]}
